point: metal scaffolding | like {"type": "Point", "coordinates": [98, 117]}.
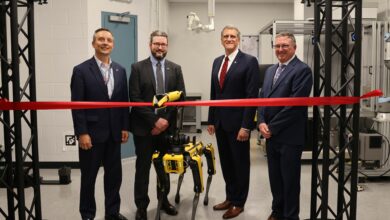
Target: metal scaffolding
{"type": "Point", "coordinates": [336, 42]}
{"type": "Point", "coordinates": [19, 162]}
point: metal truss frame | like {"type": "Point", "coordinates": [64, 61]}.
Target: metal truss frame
{"type": "Point", "coordinates": [336, 41]}
{"type": "Point", "coordinates": [20, 169]}
{"type": "Point", "coordinates": [19, 161]}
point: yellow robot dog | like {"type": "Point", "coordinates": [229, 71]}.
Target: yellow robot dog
{"type": "Point", "coordinates": [181, 155]}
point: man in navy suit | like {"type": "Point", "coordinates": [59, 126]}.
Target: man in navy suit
{"type": "Point", "coordinates": [100, 131]}
{"type": "Point", "coordinates": [285, 127]}
{"type": "Point", "coordinates": [151, 127]}
{"type": "Point", "coordinates": [235, 75]}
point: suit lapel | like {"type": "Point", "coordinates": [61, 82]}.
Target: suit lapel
{"type": "Point", "coordinates": [98, 75]}
{"type": "Point", "coordinates": [232, 68]}
{"type": "Point", "coordinates": [216, 72]}
{"type": "Point", "coordinates": [115, 72]}
{"type": "Point", "coordinates": [167, 74]}
{"type": "Point", "coordinates": [268, 84]}
{"type": "Point", "coordinates": [284, 74]}
{"type": "Point", "coordinates": [150, 73]}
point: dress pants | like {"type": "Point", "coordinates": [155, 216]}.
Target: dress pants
{"type": "Point", "coordinates": [284, 170]}
{"type": "Point", "coordinates": [107, 154]}
{"type": "Point", "coordinates": [145, 146]}
{"type": "Point", "coordinates": [235, 163]}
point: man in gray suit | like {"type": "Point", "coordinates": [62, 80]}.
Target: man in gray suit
{"type": "Point", "coordinates": [154, 75]}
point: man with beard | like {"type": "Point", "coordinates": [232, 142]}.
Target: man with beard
{"type": "Point", "coordinates": [154, 75]}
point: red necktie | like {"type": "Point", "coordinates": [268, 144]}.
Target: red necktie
{"type": "Point", "coordinates": [222, 76]}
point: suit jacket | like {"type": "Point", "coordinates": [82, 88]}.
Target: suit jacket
{"type": "Point", "coordinates": [142, 85]}
{"type": "Point", "coordinates": [87, 84]}
{"type": "Point", "coordinates": [287, 124]}
{"type": "Point", "coordinates": [242, 81]}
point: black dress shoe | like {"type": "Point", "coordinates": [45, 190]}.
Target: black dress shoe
{"type": "Point", "coordinates": [87, 218]}
{"type": "Point", "coordinates": [141, 214]}
{"type": "Point", "coordinates": [168, 208]}
{"type": "Point", "coordinates": [118, 216]}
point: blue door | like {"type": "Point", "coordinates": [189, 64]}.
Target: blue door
{"type": "Point", "coordinates": [124, 28]}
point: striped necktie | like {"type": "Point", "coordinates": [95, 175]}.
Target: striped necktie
{"type": "Point", "coordinates": [278, 72]}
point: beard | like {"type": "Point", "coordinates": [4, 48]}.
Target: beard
{"type": "Point", "coordinates": [159, 55]}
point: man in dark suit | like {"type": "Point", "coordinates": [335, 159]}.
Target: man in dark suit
{"type": "Point", "coordinates": [100, 131]}
{"type": "Point", "coordinates": [284, 127]}
{"type": "Point", "coordinates": [235, 75]}
{"type": "Point", "coordinates": [150, 127]}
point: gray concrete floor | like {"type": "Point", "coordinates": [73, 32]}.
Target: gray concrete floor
{"type": "Point", "coordinates": [61, 201]}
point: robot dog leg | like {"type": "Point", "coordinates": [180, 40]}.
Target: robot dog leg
{"type": "Point", "coordinates": [177, 197]}
{"type": "Point", "coordinates": [210, 157]}
{"type": "Point", "coordinates": [162, 181]}
{"type": "Point", "coordinates": [196, 167]}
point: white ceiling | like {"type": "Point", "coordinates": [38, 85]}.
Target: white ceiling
{"type": "Point", "coordinates": [254, 1]}
{"type": "Point", "coordinates": [234, 1]}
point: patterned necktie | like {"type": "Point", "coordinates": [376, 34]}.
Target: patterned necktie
{"type": "Point", "coordinates": [278, 71]}
{"type": "Point", "coordinates": [160, 81]}
{"type": "Point", "coordinates": [222, 76]}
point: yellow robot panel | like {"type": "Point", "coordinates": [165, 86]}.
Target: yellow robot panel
{"type": "Point", "coordinates": [173, 163]}
{"type": "Point", "coordinates": [198, 161]}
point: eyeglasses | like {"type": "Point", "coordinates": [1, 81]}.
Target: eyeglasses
{"type": "Point", "coordinates": [282, 46]}
{"type": "Point", "coordinates": [231, 36]}
{"type": "Point", "coordinates": [160, 44]}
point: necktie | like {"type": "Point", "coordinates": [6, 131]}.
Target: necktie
{"type": "Point", "coordinates": [160, 81]}
{"type": "Point", "coordinates": [108, 78]}
{"type": "Point", "coordinates": [278, 71]}
{"type": "Point", "coordinates": [222, 76]}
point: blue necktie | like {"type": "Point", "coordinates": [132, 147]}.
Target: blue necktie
{"type": "Point", "coordinates": [278, 71]}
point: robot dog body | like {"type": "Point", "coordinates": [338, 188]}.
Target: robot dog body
{"type": "Point", "coordinates": [181, 155]}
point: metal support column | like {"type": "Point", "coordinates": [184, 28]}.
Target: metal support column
{"type": "Point", "coordinates": [341, 41]}
{"type": "Point", "coordinates": [19, 162]}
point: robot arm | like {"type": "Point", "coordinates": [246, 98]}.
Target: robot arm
{"type": "Point", "coordinates": [160, 100]}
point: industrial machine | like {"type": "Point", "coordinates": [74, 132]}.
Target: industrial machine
{"type": "Point", "coordinates": [370, 149]}
{"type": "Point", "coordinates": [182, 154]}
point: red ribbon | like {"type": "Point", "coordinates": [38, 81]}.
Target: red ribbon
{"type": "Point", "coordinates": [296, 101]}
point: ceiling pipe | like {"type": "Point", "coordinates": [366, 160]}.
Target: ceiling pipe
{"type": "Point", "coordinates": [193, 21]}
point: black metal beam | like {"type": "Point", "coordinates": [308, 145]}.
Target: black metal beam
{"type": "Point", "coordinates": [19, 169]}
{"type": "Point", "coordinates": [337, 45]}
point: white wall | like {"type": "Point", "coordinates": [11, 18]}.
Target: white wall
{"type": "Point", "coordinates": [61, 42]}
{"type": "Point", "coordinates": [140, 8]}
{"type": "Point", "coordinates": [383, 10]}
{"type": "Point", "coordinates": [195, 52]}
{"type": "Point", "coordinates": [64, 31]}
